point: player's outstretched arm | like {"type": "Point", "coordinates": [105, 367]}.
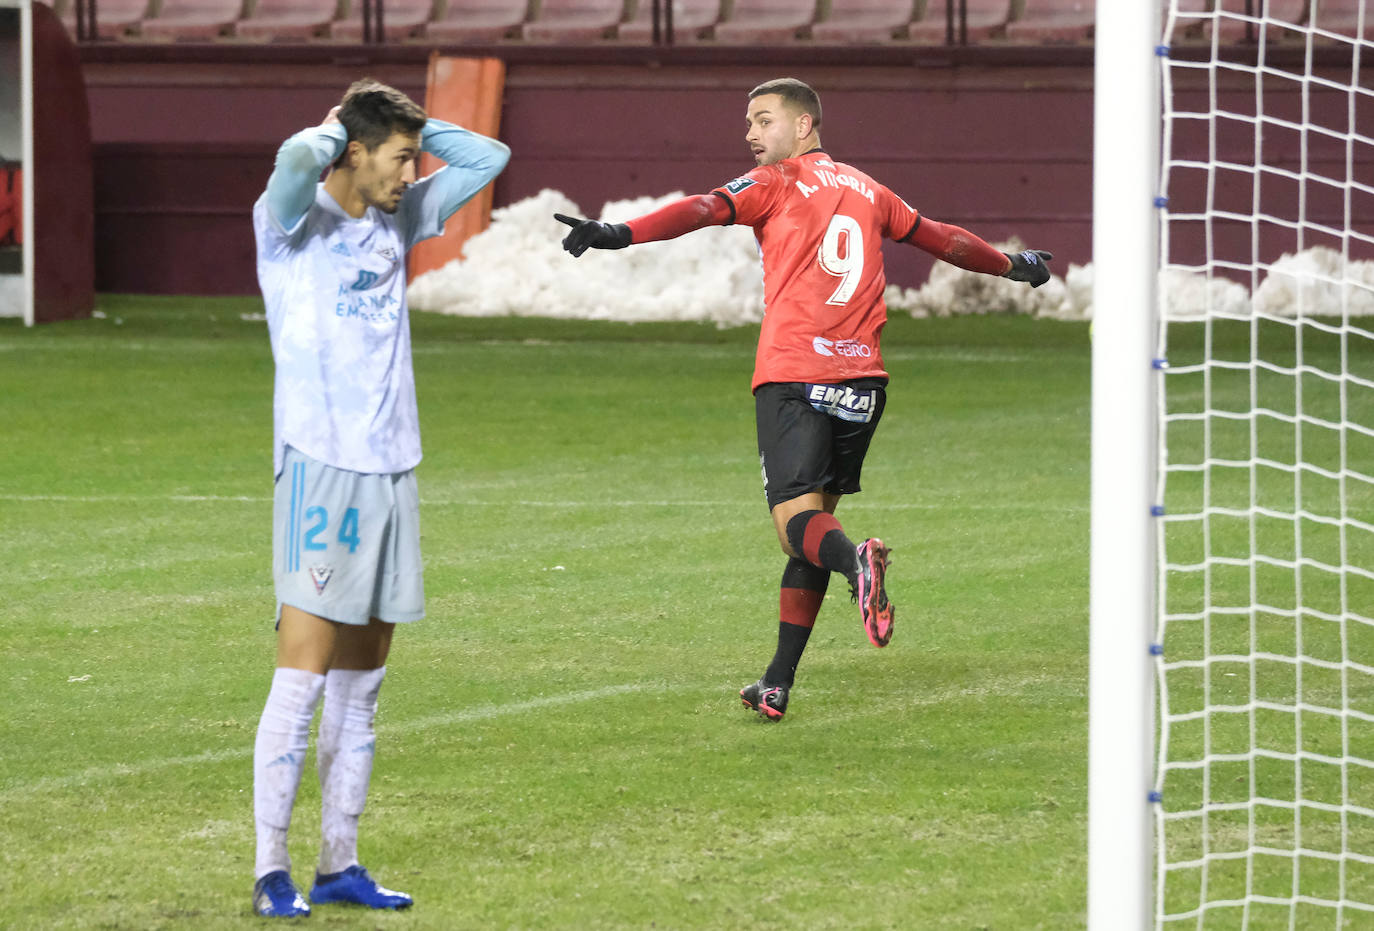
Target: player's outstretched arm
{"type": "Point", "coordinates": [291, 188]}
{"type": "Point", "coordinates": [959, 247]}
{"type": "Point", "coordinates": [667, 222]}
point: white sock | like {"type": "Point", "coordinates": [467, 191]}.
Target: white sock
{"type": "Point", "coordinates": [279, 760]}
{"type": "Point", "coordinates": [345, 752]}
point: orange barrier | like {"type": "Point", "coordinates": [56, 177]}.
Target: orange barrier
{"type": "Point", "coordinates": [11, 205]}
{"type": "Point", "coordinates": [466, 91]}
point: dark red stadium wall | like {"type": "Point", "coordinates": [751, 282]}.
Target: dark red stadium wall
{"type": "Point", "coordinates": [998, 140]}
{"type": "Point", "coordinates": [182, 152]}
{"type": "Point", "coordinates": [964, 145]}
{"type": "Point", "coordinates": [183, 148]}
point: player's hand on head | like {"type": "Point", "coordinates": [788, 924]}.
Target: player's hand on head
{"type": "Point", "coordinates": [593, 234]}
{"type": "Point", "coordinates": [331, 117]}
{"type": "Point", "coordinates": [1030, 266]}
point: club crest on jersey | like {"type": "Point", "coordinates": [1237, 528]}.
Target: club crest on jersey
{"type": "Point", "coordinates": [739, 184]}
{"type": "Point", "coordinates": [365, 281]}
{"type": "Point", "coordinates": [386, 252]}
{"type": "Point", "coordinates": [320, 575]}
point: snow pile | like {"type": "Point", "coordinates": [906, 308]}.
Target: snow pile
{"type": "Point", "coordinates": [1188, 295]}
{"type": "Point", "coordinates": [1316, 281]}
{"type": "Point", "coordinates": [951, 291]}
{"type": "Point", "coordinates": [517, 267]}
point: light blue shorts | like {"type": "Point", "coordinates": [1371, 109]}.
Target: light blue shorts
{"type": "Point", "coordinates": [346, 545]}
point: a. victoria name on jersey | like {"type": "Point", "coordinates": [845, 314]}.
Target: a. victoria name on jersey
{"type": "Point", "coordinates": [835, 179]}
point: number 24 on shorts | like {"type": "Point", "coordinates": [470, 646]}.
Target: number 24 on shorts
{"type": "Point", "coordinates": [317, 520]}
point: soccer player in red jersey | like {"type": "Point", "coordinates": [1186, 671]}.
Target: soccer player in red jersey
{"type": "Point", "coordinates": [819, 382]}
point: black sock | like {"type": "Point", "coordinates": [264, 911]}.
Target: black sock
{"type": "Point", "coordinates": [803, 590]}
{"type": "Point", "coordinates": [791, 644]}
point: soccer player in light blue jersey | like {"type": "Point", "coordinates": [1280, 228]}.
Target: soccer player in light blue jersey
{"type": "Point", "coordinates": [346, 537]}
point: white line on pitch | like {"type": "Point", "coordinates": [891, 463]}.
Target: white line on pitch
{"type": "Point", "coordinates": [97, 499]}
{"type": "Point", "coordinates": [429, 722]}
{"type": "Point", "coordinates": [952, 505]}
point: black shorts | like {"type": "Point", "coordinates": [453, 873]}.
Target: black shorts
{"type": "Point", "coordinates": [803, 449]}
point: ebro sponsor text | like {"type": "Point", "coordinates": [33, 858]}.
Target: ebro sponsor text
{"type": "Point", "coordinates": [844, 347]}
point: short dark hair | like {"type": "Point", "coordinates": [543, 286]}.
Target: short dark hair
{"type": "Point", "coordinates": [797, 93]}
{"type": "Point", "coordinates": [372, 112]}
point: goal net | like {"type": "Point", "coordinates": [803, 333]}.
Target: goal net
{"type": "Point", "coordinates": [1263, 795]}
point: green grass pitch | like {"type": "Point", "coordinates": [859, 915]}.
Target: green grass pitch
{"type": "Point", "coordinates": [560, 742]}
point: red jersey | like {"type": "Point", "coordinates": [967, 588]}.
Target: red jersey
{"type": "Point", "coordinates": [820, 226]}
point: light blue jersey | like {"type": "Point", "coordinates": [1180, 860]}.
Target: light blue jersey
{"type": "Point", "coordinates": [335, 293]}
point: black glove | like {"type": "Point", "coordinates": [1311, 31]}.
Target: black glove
{"type": "Point", "coordinates": [593, 234]}
{"type": "Point", "coordinates": [1026, 266]}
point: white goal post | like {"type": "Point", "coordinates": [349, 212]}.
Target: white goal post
{"type": "Point", "coordinates": [1231, 734]}
{"type": "Point", "coordinates": [1125, 183]}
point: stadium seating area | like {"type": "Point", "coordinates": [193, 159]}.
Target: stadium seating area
{"type": "Point", "coordinates": [753, 22]}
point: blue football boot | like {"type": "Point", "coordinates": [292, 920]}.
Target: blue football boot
{"type": "Point", "coordinates": [353, 885]}
{"type": "Point", "coordinates": [276, 896]}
